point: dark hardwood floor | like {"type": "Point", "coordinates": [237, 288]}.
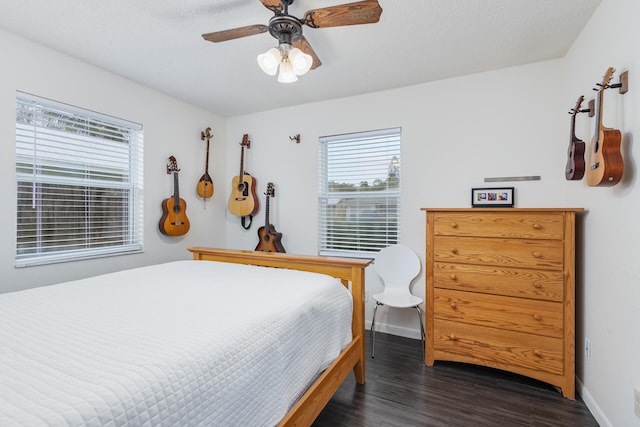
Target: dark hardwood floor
{"type": "Point", "coordinates": [401, 391]}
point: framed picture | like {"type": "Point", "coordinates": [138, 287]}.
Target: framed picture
{"type": "Point", "coordinates": [500, 197]}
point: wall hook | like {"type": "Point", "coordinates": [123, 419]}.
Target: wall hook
{"type": "Point", "coordinates": [295, 138]}
{"type": "Point", "coordinates": [623, 85]}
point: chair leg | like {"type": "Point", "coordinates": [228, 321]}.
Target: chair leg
{"type": "Point", "coordinates": [422, 334]}
{"type": "Point", "coordinates": [373, 330]}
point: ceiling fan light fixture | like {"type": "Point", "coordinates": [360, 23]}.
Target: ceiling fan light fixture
{"type": "Point", "coordinates": [269, 61]}
{"type": "Point", "coordinates": [300, 61]}
{"type": "Point", "coordinates": [287, 75]}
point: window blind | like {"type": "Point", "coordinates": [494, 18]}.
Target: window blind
{"type": "Point", "coordinates": [79, 183]}
{"type": "Point", "coordinates": [359, 195]}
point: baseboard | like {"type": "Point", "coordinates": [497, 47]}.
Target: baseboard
{"type": "Point", "coordinates": [394, 330]}
{"type": "Point", "coordinates": [592, 405]}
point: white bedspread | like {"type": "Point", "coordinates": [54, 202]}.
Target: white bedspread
{"type": "Point", "coordinates": [177, 344]}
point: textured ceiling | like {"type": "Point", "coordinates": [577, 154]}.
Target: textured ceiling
{"type": "Point", "coordinates": [158, 43]}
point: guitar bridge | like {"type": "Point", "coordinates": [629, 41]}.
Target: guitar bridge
{"type": "Point", "coordinates": [177, 223]}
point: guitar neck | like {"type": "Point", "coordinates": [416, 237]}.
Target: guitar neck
{"type": "Point", "coordinates": [241, 174]}
{"type": "Point", "coordinates": [266, 212]}
{"type": "Point", "coordinates": [206, 162]}
{"type": "Point", "coordinates": [573, 127]}
{"type": "Point", "coordinates": [176, 193]}
{"type": "Point", "coordinates": [599, 111]}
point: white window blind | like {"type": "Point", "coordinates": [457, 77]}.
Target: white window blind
{"type": "Point", "coordinates": [359, 197]}
{"type": "Point", "coordinates": [79, 183]}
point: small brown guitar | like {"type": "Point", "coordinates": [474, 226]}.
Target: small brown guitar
{"type": "Point", "coordinates": [574, 170]}
{"type": "Point", "coordinates": [243, 200]}
{"type": "Point", "coordinates": [269, 237]}
{"type": "Point", "coordinates": [174, 221]}
{"type": "Point", "coordinates": [205, 185]}
{"type": "Point", "coordinates": [605, 165]}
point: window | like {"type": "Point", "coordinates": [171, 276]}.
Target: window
{"type": "Point", "coordinates": [79, 183]}
{"type": "Point", "coordinates": [359, 203]}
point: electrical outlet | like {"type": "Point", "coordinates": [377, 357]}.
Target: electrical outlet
{"type": "Point", "coordinates": [366, 296]}
{"type": "Point", "coordinates": [636, 399]}
{"type": "Point", "coordinates": [587, 349]}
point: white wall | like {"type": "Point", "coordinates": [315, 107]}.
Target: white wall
{"type": "Point", "coordinates": [609, 297]}
{"type": "Point", "coordinates": [171, 127]}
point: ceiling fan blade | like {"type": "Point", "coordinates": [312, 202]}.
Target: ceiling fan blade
{"type": "Point", "coordinates": [272, 5]}
{"type": "Point", "coordinates": [361, 12]}
{"type": "Point", "coordinates": [235, 33]}
{"type": "Point", "coordinates": [304, 46]}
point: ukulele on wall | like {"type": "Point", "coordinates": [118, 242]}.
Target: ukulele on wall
{"type": "Point", "coordinates": [605, 165]}
{"type": "Point", "coordinates": [174, 221]}
{"type": "Point", "coordinates": [243, 200]}
{"type": "Point", "coordinates": [205, 185]}
{"type": "Point", "coordinates": [269, 237]}
{"type": "Point", "coordinates": [574, 170]}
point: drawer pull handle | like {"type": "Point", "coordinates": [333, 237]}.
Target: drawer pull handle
{"type": "Point", "coordinates": [537, 255]}
{"type": "Point", "coordinates": [454, 225]}
{"type": "Point", "coordinates": [454, 277]}
{"type": "Point", "coordinates": [538, 353]}
{"type": "Point", "coordinates": [454, 250]}
{"type": "Point", "coordinates": [537, 226]}
{"type": "Point", "coordinates": [454, 305]}
{"type": "Point", "coordinates": [537, 317]}
{"type": "Point", "coordinates": [537, 285]}
{"type": "Point", "coordinates": [452, 337]}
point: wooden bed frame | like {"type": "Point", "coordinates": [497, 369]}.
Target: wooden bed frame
{"type": "Point", "coordinates": [349, 271]}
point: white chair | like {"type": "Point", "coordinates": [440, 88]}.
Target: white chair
{"type": "Point", "coordinates": [397, 265]}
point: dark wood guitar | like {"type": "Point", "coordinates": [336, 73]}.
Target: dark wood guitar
{"type": "Point", "coordinates": [174, 221]}
{"type": "Point", "coordinates": [269, 237]}
{"type": "Point", "coordinates": [243, 200]}
{"type": "Point", "coordinates": [205, 185]}
{"type": "Point", "coordinates": [605, 165]}
{"type": "Point", "coordinates": [574, 170]}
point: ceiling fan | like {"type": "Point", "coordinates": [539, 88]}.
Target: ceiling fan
{"type": "Point", "coordinates": [287, 29]}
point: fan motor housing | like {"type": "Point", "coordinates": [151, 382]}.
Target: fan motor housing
{"type": "Point", "coordinates": [285, 28]}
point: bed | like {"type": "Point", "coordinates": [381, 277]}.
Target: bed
{"type": "Point", "coordinates": [163, 345]}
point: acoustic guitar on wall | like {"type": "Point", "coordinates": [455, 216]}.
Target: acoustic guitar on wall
{"type": "Point", "coordinates": [243, 200]}
{"type": "Point", "coordinates": [574, 170]}
{"type": "Point", "coordinates": [205, 185]}
{"type": "Point", "coordinates": [270, 239]}
{"type": "Point", "coordinates": [605, 165]}
{"type": "Point", "coordinates": [174, 221]}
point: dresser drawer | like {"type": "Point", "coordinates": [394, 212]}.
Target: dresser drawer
{"type": "Point", "coordinates": [515, 282]}
{"type": "Point", "coordinates": [532, 355]}
{"type": "Point", "coordinates": [515, 314]}
{"type": "Point", "coordinates": [521, 226]}
{"type": "Point", "coordinates": [547, 254]}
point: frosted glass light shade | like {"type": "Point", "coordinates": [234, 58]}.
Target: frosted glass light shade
{"type": "Point", "coordinates": [269, 61]}
{"type": "Point", "coordinates": [287, 75]}
{"type": "Point", "coordinates": [300, 61]}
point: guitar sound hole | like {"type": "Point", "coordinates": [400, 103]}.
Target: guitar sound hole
{"type": "Point", "coordinates": [267, 238]}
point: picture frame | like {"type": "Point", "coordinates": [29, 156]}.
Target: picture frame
{"type": "Point", "coordinates": [494, 197]}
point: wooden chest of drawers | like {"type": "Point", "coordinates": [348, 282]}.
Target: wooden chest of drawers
{"type": "Point", "coordinates": [500, 290]}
